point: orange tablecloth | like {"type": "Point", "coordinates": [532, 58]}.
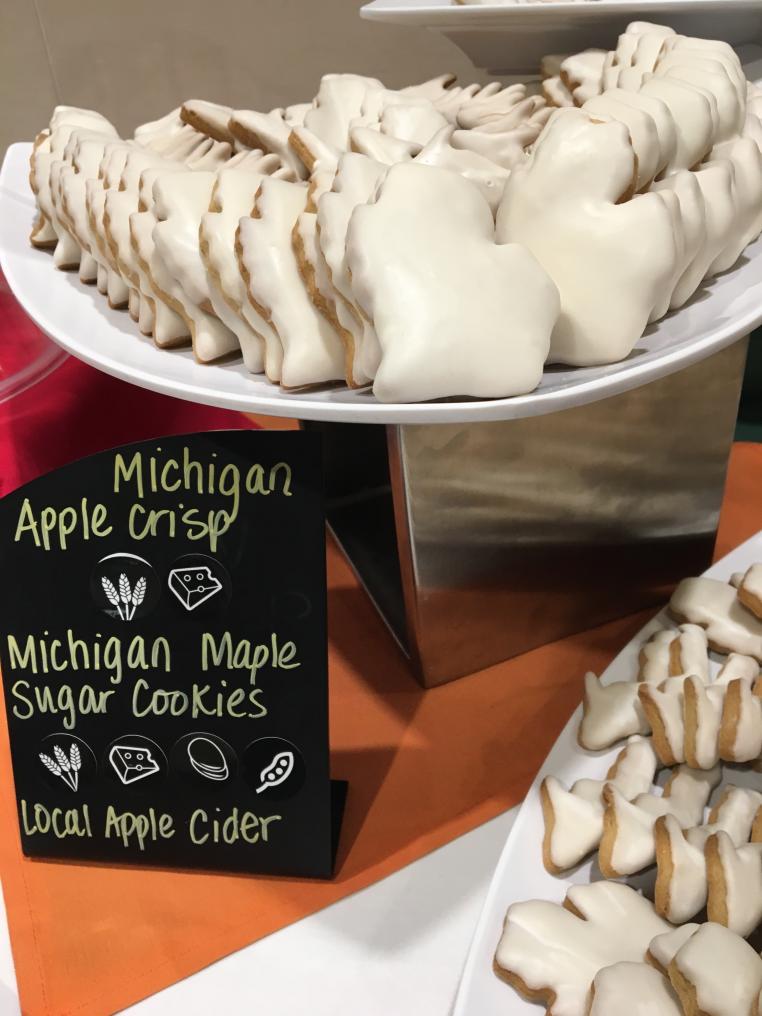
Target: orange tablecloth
{"type": "Point", "coordinates": [423, 767]}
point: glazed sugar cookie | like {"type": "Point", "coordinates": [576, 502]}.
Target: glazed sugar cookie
{"type": "Point", "coordinates": [170, 328]}
{"type": "Point", "coordinates": [551, 953]}
{"type": "Point", "coordinates": [120, 203]}
{"type": "Point", "coordinates": [485, 174]}
{"type": "Point", "coordinates": [208, 118]}
{"type": "Point", "coordinates": [582, 74]}
{"type": "Point", "coordinates": [316, 275]}
{"type": "Point", "coordinates": [568, 204]}
{"type": "Point", "coordinates": [627, 844]}
{"type": "Point", "coordinates": [716, 973]}
{"type": "Point", "coordinates": [715, 606]}
{"type": "Point", "coordinates": [354, 183]}
{"type": "Point", "coordinates": [338, 102]}
{"type": "Point", "coordinates": [502, 108]}
{"type": "Point", "coordinates": [232, 198]}
{"type": "Point", "coordinates": [180, 201]}
{"type": "Point", "coordinates": [48, 146]}
{"type": "Point", "coordinates": [681, 880]}
{"type": "Point", "coordinates": [574, 818]}
{"type": "Point", "coordinates": [734, 883]}
{"type": "Point", "coordinates": [750, 590]}
{"type": "Point", "coordinates": [269, 132]}
{"type": "Point", "coordinates": [434, 230]}
{"type": "Point", "coordinates": [609, 713]}
{"type": "Point", "coordinates": [633, 988]}
{"type": "Point", "coordinates": [312, 351]}
{"type": "Point", "coordinates": [380, 147]}
{"type": "Point", "coordinates": [654, 657]}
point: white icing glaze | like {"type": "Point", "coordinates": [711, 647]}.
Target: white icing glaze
{"type": "Point", "coordinates": [752, 580]}
{"type": "Point", "coordinates": [180, 201]}
{"type": "Point", "coordinates": [484, 110]}
{"type": "Point", "coordinates": [547, 946]}
{"type": "Point", "coordinates": [415, 123]}
{"type": "Point", "coordinates": [745, 164]}
{"type": "Point", "coordinates": [233, 198]}
{"type": "Point", "coordinates": [582, 74]}
{"type": "Point", "coordinates": [556, 93]}
{"type": "Point", "coordinates": [427, 238]}
{"type": "Point", "coordinates": [740, 888]}
{"type": "Point", "coordinates": [169, 328]}
{"type": "Point", "coordinates": [746, 734]}
{"type": "Point", "coordinates": [712, 76]}
{"type": "Point", "coordinates": [356, 180]}
{"type": "Point", "coordinates": [577, 822]}
{"type": "Point", "coordinates": [705, 730]}
{"type": "Point", "coordinates": [380, 147]}
{"type": "Point", "coordinates": [691, 645]}
{"type": "Point", "coordinates": [486, 175]}
{"type": "Point", "coordinates": [170, 123]}
{"type": "Point", "coordinates": [681, 889]}
{"type": "Point", "coordinates": [691, 263]}
{"type": "Point", "coordinates": [642, 129]}
{"type": "Point", "coordinates": [654, 657]}
{"type": "Point", "coordinates": [714, 605]}
{"type": "Point", "coordinates": [312, 351]}
{"type": "Point", "coordinates": [663, 705]}
{"type": "Point", "coordinates": [664, 947]}
{"type": "Point", "coordinates": [270, 132]}
{"type": "Point", "coordinates": [506, 150]}
{"type": "Point", "coordinates": [692, 111]}
{"type": "Point", "coordinates": [208, 117]}
{"type": "Point", "coordinates": [634, 988]}
{"type": "Point", "coordinates": [610, 712]}
{"type": "Point", "coordinates": [629, 839]}
{"type": "Point", "coordinates": [724, 970]}
{"type": "Point", "coordinates": [317, 278]}
{"type": "Point", "coordinates": [338, 102]}
{"type": "Point", "coordinates": [737, 667]}
{"type": "Point", "coordinates": [564, 204]}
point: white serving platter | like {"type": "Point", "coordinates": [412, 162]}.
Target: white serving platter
{"type": "Point", "coordinates": [520, 874]}
{"type": "Point", "coordinates": [78, 318]}
{"type": "Point", "coordinates": [512, 36]}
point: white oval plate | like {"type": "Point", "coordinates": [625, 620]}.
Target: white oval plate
{"type": "Point", "coordinates": [513, 36]}
{"type": "Point", "coordinates": [77, 317]}
{"type": "Point", "coordinates": [520, 874]}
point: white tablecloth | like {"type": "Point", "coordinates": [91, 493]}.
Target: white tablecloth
{"type": "Point", "coordinates": [396, 947]}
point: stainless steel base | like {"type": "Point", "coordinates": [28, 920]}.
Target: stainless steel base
{"type": "Point", "coordinates": [481, 541]}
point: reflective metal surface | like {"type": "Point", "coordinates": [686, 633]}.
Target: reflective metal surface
{"type": "Point", "coordinates": [481, 541]}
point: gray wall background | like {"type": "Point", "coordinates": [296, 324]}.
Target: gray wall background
{"type": "Point", "coordinates": [136, 59]}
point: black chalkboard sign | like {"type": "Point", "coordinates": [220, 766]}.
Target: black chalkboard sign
{"type": "Point", "coordinates": [163, 620]}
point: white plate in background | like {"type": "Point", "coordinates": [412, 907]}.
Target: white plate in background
{"type": "Point", "coordinates": [520, 874]}
{"type": "Point", "coordinates": [512, 37]}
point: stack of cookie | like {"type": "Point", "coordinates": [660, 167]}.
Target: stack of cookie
{"type": "Point", "coordinates": [342, 241]}
{"type": "Point", "coordinates": [701, 830]}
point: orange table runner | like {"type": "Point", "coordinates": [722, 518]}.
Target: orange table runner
{"type": "Point", "coordinates": [423, 766]}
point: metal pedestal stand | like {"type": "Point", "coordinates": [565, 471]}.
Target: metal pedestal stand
{"type": "Point", "coordinates": [480, 541]}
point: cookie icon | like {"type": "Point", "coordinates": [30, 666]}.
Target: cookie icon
{"type": "Point", "coordinates": [208, 759]}
{"type": "Point", "coordinates": [194, 585]}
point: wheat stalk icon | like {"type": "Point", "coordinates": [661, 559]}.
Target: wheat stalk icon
{"type": "Point", "coordinates": [126, 599]}
{"type": "Point", "coordinates": [65, 766]}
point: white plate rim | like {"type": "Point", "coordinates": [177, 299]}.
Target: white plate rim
{"type": "Point", "coordinates": [462, 15]}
